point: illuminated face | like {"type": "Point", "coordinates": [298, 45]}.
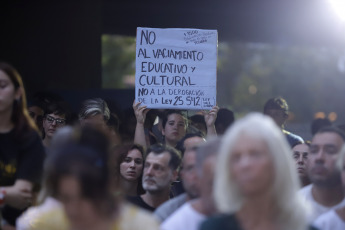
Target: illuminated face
{"type": "Point", "coordinates": [324, 151]}
{"type": "Point", "coordinates": [132, 166]}
{"type": "Point", "coordinates": [279, 116]}
{"type": "Point", "coordinates": [300, 155]}
{"type": "Point", "coordinates": [157, 175]}
{"type": "Point", "coordinates": [251, 166]}
{"type": "Point", "coordinates": [81, 212]}
{"type": "Point", "coordinates": [7, 93]}
{"type": "Point", "coordinates": [53, 122]}
{"type": "Point", "coordinates": [175, 129]}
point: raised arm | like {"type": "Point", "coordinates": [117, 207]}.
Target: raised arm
{"type": "Point", "coordinates": [140, 114]}
{"type": "Point", "coordinates": [210, 119]}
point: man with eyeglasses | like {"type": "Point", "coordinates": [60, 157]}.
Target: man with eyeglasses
{"type": "Point", "coordinates": [54, 118]}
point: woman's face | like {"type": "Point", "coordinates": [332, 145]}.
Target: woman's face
{"type": "Point", "coordinates": [251, 166]}
{"type": "Point", "coordinates": [175, 128]}
{"type": "Point", "coordinates": [132, 166]}
{"type": "Point", "coordinates": [81, 212]}
{"type": "Point", "coordinates": [8, 93]}
{"type": "Point", "coordinates": [53, 122]}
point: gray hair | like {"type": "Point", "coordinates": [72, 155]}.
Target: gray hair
{"type": "Point", "coordinates": [228, 198]}
{"type": "Point", "coordinates": [92, 107]}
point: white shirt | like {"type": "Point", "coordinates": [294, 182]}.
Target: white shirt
{"type": "Point", "coordinates": [186, 217]}
{"type": "Point", "coordinates": [330, 221]}
{"type": "Point", "coordinates": [315, 208]}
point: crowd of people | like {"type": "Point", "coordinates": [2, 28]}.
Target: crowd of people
{"type": "Point", "coordinates": [161, 169]}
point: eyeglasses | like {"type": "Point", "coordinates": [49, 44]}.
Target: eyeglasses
{"type": "Point", "coordinates": [58, 121]}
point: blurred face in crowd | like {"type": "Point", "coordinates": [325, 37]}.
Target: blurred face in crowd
{"type": "Point", "coordinates": [175, 128]}
{"type": "Point", "coordinates": [36, 114]}
{"type": "Point", "coordinates": [96, 121]}
{"type": "Point", "coordinates": [324, 151]}
{"type": "Point", "coordinates": [191, 142]}
{"type": "Point", "coordinates": [81, 212]}
{"type": "Point", "coordinates": [300, 155]}
{"type": "Point", "coordinates": [132, 166]}
{"type": "Point", "coordinates": [251, 166]}
{"type": "Point", "coordinates": [278, 115]}
{"type": "Point", "coordinates": [188, 173]}
{"type": "Point", "coordinates": [158, 175]}
{"type": "Point", "coordinates": [53, 122]}
{"type": "Point", "coordinates": [8, 93]}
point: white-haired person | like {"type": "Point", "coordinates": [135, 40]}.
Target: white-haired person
{"type": "Point", "coordinates": [256, 182]}
{"type": "Point", "coordinates": [335, 219]}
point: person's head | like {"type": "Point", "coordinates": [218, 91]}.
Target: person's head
{"type": "Point", "coordinates": [189, 141]}
{"type": "Point", "coordinates": [160, 168]}
{"type": "Point", "coordinates": [324, 151]}
{"type": "Point", "coordinates": [198, 121]}
{"type": "Point", "coordinates": [55, 116]}
{"type": "Point", "coordinates": [225, 118]}
{"type": "Point", "coordinates": [113, 125]}
{"type": "Point", "coordinates": [77, 174]}
{"type": "Point", "coordinates": [278, 109]}
{"type": "Point", "coordinates": [132, 162]}
{"type": "Point", "coordinates": [94, 112]}
{"type": "Point", "coordinates": [13, 99]}
{"type": "Point", "coordinates": [174, 127]}
{"type": "Point", "coordinates": [341, 165]}
{"type": "Point", "coordinates": [255, 159]}
{"type": "Point", "coordinates": [188, 173]}
{"type": "Point", "coordinates": [206, 156]}
{"type": "Point", "coordinates": [300, 155]}
{"type": "Point", "coordinates": [36, 112]}
{"type": "Point", "coordinates": [318, 124]}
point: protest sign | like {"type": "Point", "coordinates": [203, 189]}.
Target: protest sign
{"type": "Point", "coordinates": [176, 68]}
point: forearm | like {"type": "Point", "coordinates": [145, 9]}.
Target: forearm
{"type": "Point", "coordinates": [139, 136]}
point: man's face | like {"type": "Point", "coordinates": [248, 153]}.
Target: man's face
{"type": "Point", "coordinates": [157, 175]}
{"type": "Point", "coordinates": [278, 115]}
{"type": "Point", "coordinates": [188, 174]}
{"type": "Point", "coordinates": [323, 154]}
{"type": "Point", "coordinates": [300, 155]}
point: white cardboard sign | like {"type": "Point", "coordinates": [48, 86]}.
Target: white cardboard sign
{"type": "Point", "coordinates": [176, 68]}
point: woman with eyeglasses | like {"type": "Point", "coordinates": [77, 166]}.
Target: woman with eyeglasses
{"type": "Point", "coordinates": [55, 117]}
{"type": "Point", "coordinates": [21, 150]}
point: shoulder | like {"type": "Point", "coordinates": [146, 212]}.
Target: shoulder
{"type": "Point", "coordinates": [329, 220]}
{"type": "Point", "coordinates": [168, 207]}
{"type": "Point", "coordinates": [224, 222]}
{"type": "Point", "coordinates": [132, 217]}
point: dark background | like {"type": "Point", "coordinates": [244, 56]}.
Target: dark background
{"type": "Point", "coordinates": [56, 45]}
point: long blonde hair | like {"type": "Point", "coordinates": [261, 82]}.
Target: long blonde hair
{"type": "Point", "coordinates": [291, 214]}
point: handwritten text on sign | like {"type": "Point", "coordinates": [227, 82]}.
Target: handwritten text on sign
{"type": "Point", "coordinates": [176, 68]}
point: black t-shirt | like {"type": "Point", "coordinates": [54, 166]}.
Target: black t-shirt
{"type": "Point", "coordinates": [20, 158]}
{"type": "Point", "coordinates": [138, 201]}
